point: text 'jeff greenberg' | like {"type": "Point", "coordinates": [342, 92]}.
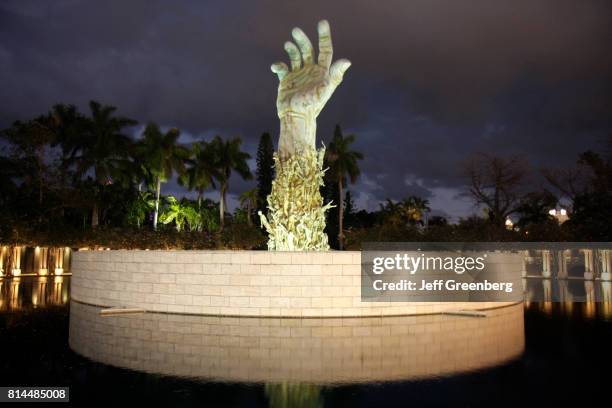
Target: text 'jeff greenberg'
{"type": "Point", "coordinates": [410, 264]}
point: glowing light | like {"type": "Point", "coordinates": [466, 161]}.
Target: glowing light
{"type": "Point", "coordinates": [563, 211]}
{"type": "Point", "coordinates": [552, 212]}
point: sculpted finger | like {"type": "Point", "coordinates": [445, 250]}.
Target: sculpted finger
{"type": "Point", "coordinates": [325, 44]}
{"type": "Point", "coordinates": [338, 69]}
{"type": "Point", "coordinates": [280, 69]}
{"type": "Point", "coordinates": [294, 55]}
{"type": "Point", "coordinates": [305, 45]}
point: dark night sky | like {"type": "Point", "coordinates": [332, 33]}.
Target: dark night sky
{"type": "Point", "coordinates": [431, 83]}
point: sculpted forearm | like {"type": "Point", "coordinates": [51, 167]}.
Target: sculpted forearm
{"type": "Point", "coordinates": [304, 89]}
{"type": "Point", "coordinates": [297, 133]}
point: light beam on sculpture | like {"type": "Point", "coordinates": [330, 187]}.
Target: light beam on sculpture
{"type": "Point", "coordinates": [296, 213]}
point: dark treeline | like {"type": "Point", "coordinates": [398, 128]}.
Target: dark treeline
{"type": "Point", "coordinates": [574, 204]}
{"type": "Point", "coordinates": [78, 179]}
{"type": "Point", "coordinates": [68, 175]}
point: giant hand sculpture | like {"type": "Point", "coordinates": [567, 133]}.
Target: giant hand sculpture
{"type": "Point", "coordinates": [296, 214]}
{"type": "Point", "coordinates": [304, 90]}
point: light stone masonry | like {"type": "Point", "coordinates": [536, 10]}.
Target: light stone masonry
{"type": "Point", "coordinates": [240, 283]}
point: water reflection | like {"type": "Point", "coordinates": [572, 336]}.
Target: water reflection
{"type": "Point", "coordinates": [294, 395]}
{"type": "Point", "coordinates": [592, 299]}
{"type": "Point", "coordinates": [286, 351]}
{"type": "Point", "coordinates": [21, 260]}
{"type": "Point", "coordinates": [25, 292]}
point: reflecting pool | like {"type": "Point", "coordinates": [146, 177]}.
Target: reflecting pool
{"type": "Point", "coordinates": [25, 293]}
{"type": "Point", "coordinates": [531, 354]}
{"type": "Point", "coordinates": [277, 350]}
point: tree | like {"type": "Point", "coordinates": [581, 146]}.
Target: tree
{"type": "Point", "coordinates": [248, 200]}
{"type": "Point", "coordinates": [208, 216]}
{"type": "Point", "coordinates": [592, 173]}
{"type": "Point", "coordinates": [29, 141]}
{"type": "Point", "coordinates": [201, 170]}
{"type": "Point", "coordinates": [392, 213]}
{"type": "Point", "coordinates": [414, 209]}
{"type": "Point", "coordinates": [8, 186]}
{"type": "Point", "coordinates": [265, 171]}
{"type": "Point", "coordinates": [329, 192]}
{"type": "Point", "coordinates": [138, 209]}
{"type": "Point", "coordinates": [592, 207]}
{"type": "Point", "coordinates": [437, 221]}
{"type": "Point", "coordinates": [349, 207]}
{"type": "Point", "coordinates": [497, 183]}
{"type": "Point", "coordinates": [342, 163]}
{"type": "Point", "coordinates": [409, 211]}
{"type": "Point", "coordinates": [101, 148]}
{"type": "Point", "coordinates": [163, 156]}
{"type": "Point", "coordinates": [533, 208]}
{"type": "Point", "coordinates": [69, 126]}
{"type": "Point", "coordinates": [228, 157]}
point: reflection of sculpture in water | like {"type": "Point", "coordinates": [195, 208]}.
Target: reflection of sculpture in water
{"type": "Point", "coordinates": [287, 395]}
{"type": "Point", "coordinates": [320, 351]}
{"type": "Point", "coordinates": [296, 217]}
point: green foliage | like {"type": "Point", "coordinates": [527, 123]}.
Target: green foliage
{"type": "Point", "coordinates": [65, 171]}
{"type": "Point", "coordinates": [102, 147]}
{"type": "Point", "coordinates": [162, 152]}
{"type": "Point", "coordinates": [410, 211]}
{"type": "Point", "coordinates": [340, 159]}
{"type": "Point", "coordinates": [240, 216]}
{"type": "Point", "coordinates": [228, 157]}
{"type": "Point", "coordinates": [241, 236]}
{"type": "Point", "coordinates": [196, 216]}
{"type": "Point", "coordinates": [248, 201]}
{"type": "Point", "coordinates": [265, 171]}
{"type": "Point", "coordinates": [162, 156]}
{"type": "Point", "coordinates": [349, 207]}
{"type": "Point", "coordinates": [533, 208]}
{"type": "Point", "coordinates": [139, 208]}
{"type": "Point", "coordinates": [341, 162]}
{"type": "Point", "coordinates": [209, 216]}
{"type": "Point", "coordinates": [201, 169]}
{"type": "Point", "coordinates": [591, 215]}
{"type": "Point", "coordinates": [182, 213]}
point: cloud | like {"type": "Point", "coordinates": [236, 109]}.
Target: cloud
{"type": "Point", "coordinates": [431, 83]}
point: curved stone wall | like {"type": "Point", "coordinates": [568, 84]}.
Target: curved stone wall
{"type": "Point", "coordinates": [240, 283]}
{"type": "Point", "coordinates": [321, 351]}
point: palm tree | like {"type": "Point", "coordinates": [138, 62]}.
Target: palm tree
{"type": "Point", "coordinates": [139, 170]}
{"type": "Point", "coordinates": [69, 126]}
{"type": "Point", "coordinates": [414, 209]}
{"type": "Point", "coordinates": [201, 170]}
{"type": "Point", "coordinates": [102, 148]}
{"type": "Point", "coordinates": [228, 157]}
{"type": "Point", "coordinates": [342, 163]}
{"type": "Point", "coordinates": [249, 200]}
{"type": "Point", "coordinates": [163, 156]}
